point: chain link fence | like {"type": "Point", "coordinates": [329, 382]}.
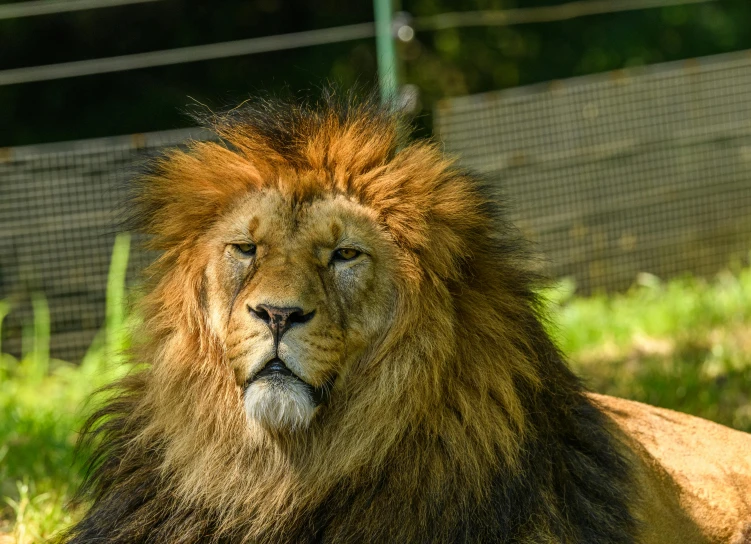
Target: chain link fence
{"type": "Point", "coordinates": [641, 170]}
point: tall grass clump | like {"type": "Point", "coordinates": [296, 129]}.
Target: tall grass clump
{"type": "Point", "coordinates": [42, 406]}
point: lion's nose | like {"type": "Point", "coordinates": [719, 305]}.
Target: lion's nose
{"type": "Point", "coordinates": [279, 320]}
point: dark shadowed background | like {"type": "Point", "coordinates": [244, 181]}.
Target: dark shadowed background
{"type": "Point", "coordinates": [443, 63]}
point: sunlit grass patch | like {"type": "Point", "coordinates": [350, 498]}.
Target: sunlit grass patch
{"type": "Point", "coordinates": [43, 403]}
{"type": "Point", "coordinates": [685, 344]}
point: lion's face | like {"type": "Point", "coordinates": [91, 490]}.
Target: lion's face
{"type": "Point", "coordinates": [297, 292]}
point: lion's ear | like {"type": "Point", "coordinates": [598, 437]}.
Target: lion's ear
{"type": "Point", "coordinates": [184, 192]}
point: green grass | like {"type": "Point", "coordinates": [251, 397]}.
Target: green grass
{"type": "Point", "coordinates": [683, 345]}
{"type": "Point", "coordinates": [43, 403]}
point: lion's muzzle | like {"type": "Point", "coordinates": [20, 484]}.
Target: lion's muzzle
{"type": "Point", "coordinates": [277, 370]}
{"type": "Point", "coordinates": [277, 397]}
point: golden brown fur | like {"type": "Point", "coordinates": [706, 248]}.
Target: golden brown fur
{"type": "Point", "coordinates": [449, 414]}
{"type": "Point", "coordinates": [695, 475]}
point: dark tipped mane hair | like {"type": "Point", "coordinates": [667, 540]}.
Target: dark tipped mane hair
{"type": "Point", "coordinates": [512, 450]}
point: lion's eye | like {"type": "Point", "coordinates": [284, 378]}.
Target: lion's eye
{"type": "Point", "coordinates": [345, 254]}
{"type": "Point", "coordinates": [245, 250]}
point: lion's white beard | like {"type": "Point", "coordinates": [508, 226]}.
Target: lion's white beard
{"type": "Point", "coordinates": [279, 403]}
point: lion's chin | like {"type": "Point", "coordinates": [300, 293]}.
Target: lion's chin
{"type": "Point", "coordinates": [280, 403]}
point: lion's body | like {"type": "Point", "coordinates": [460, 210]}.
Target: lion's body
{"type": "Point", "coordinates": [342, 344]}
{"type": "Point", "coordinates": [694, 475]}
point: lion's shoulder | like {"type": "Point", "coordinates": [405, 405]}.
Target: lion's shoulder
{"type": "Point", "coordinates": [689, 463]}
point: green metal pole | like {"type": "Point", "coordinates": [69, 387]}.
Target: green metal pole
{"type": "Point", "coordinates": [387, 69]}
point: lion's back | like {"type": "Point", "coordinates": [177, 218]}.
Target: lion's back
{"type": "Point", "coordinates": [691, 464]}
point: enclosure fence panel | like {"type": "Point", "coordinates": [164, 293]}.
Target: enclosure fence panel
{"type": "Point", "coordinates": [640, 170]}
{"type": "Point", "coordinates": [60, 208]}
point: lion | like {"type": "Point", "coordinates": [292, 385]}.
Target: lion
{"type": "Point", "coordinates": [342, 341]}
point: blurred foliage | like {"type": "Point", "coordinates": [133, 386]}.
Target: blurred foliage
{"type": "Point", "coordinates": [442, 63]}
{"type": "Point", "coordinates": [43, 404]}
{"type": "Point", "coordinates": [469, 60]}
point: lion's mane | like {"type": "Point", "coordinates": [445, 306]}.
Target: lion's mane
{"type": "Point", "coordinates": [464, 426]}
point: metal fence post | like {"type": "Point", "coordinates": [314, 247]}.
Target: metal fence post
{"type": "Point", "coordinates": [387, 69]}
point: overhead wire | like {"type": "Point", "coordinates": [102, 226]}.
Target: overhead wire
{"type": "Point", "coordinates": [48, 7]}
{"type": "Point", "coordinates": [194, 53]}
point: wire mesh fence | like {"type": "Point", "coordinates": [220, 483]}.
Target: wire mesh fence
{"type": "Point", "coordinates": [644, 170]}
{"type": "Point", "coordinates": [60, 208]}
{"type": "Point", "coordinates": [641, 170]}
